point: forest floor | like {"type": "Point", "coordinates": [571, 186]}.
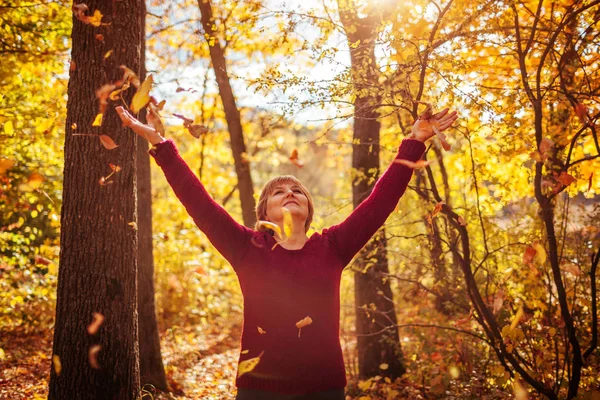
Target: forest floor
{"type": "Point", "coordinates": [200, 363]}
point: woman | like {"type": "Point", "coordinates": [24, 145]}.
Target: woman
{"type": "Point", "coordinates": [285, 281]}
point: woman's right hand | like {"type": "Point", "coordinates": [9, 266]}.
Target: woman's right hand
{"type": "Point", "coordinates": [145, 131]}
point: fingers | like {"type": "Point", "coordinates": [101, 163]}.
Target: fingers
{"type": "Point", "coordinates": [128, 119]}
{"type": "Point", "coordinates": [440, 114]}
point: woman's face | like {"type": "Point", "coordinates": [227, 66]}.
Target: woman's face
{"type": "Point", "coordinates": [290, 196]}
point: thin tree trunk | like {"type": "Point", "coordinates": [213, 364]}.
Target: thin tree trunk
{"type": "Point", "coordinates": [152, 370]}
{"type": "Point", "coordinates": [232, 115]}
{"type": "Point", "coordinates": [371, 287]}
{"type": "Point", "coordinates": [98, 260]}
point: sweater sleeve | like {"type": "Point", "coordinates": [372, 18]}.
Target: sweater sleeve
{"type": "Point", "coordinates": [229, 237]}
{"type": "Point", "coordinates": [354, 232]}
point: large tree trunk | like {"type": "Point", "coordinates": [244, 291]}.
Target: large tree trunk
{"type": "Point", "coordinates": [376, 345]}
{"type": "Point", "coordinates": [98, 260]}
{"type": "Point", "coordinates": [232, 115]}
{"type": "Point", "coordinates": [152, 370]}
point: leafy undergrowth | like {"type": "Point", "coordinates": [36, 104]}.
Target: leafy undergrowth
{"type": "Point", "coordinates": [200, 363]}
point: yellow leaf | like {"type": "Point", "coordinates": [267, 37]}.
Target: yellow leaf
{"type": "Point", "coordinates": [517, 318]}
{"type": "Point", "coordinates": [98, 120]}
{"type": "Point", "coordinates": [2, 354]}
{"type": "Point", "coordinates": [245, 351]}
{"type": "Point", "coordinates": [35, 180]}
{"type": "Point", "coordinates": [364, 385]}
{"type": "Point", "coordinates": [95, 19]}
{"type": "Point", "coordinates": [288, 222]}
{"type": "Point", "coordinates": [142, 96]}
{"type": "Point", "coordinates": [133, 224]}
{"type": "Point", "coordinates": [384, 366]}
{"type": "Point", "coordinates": [53, 269]}
{"type": "Point", "coordinates": [248, 365]}
{"type": "Point", "coordinates": [108, 54]}
{"type": "Point", "coordinates": [454, 372]}
{"type": "Point", "coordinates": [540, 253]}
{"type": "Point", "coordinates": [269, 225]}
{"type": "Point", "coordinates": [8, 128]}
{"type": "Point", "coordinates": [56, 363]}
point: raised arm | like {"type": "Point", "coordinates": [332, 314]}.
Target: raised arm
{"type": "Point", "coordinates": [228, 236]}
{"type": "Point", "coordinates": [357, 229]}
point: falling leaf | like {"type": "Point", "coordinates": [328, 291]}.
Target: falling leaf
{"type": "Point", "coordinates": [447, 146]}
{"type": "Point", "coordinates": [79, 12]}
{"type": "Point", "coordinates": [142, 96]}
{"type": "Point", "coordinates": [8, 128]}
{"type": "Point", "coordinates": [537, 156]}
{"type": "Point", "coordinates": [517, 318]}
{"type": "Point", "coordinates": [248, 365]}
{"type": "Point", "coordinates": [130, 77]}
{"type": "Point", "coordinates": [114, 167]}
{"type": "Point", "coordinates": [95, 19]}
{"type": "Point", "coordinates": [133, 224]}
{"type": "Point", "coordinates": [245, 351]}
{"type": "Point", "coordinates": [461, 221]}
{"type": "Point", "coordinates": [95, 325]}
{"type": "Point", "coordinates": [196, 130]}
{"type": "Point", "coordinates": [383, 366]}
{"type": "Point", "coordinates": [161, 105]}
{"type": "Point", "coordinates": [413, 165]}
{"type": "Point", "coordinates": [438, 208]}
{"type": "Point", "coordinates": [93, 356]}
{"type": "Point", "coordinates": [269, 225]}
{"type": "Point", "coordinates": [454, 372]}
{"type": "Point", "coordinates": [184, 118]}
{"type": "Point", "coordinates": [179, 89]}
{"type": "Point", "coordinates": [528, 255]}
{"type": "Point", "coordinates": [302, 323]}
{"type": "Point", "coordinates": [35, 180]}
{"type": "Point", "coordinates": [153, 118]}
{"type": "Point", "coordinates": [261, 330]}
{"type": "Point", "coordinates": [108, 54]}
{"type": "Point", "coordinates": [498, 301]}
{"type": "Point", "coordinates": [41, 260]}
{"type": "Point", "coordinates": [540, 253]}
{"type": "Point", "coordinates": [571, 268]}
{"type": "Point", "coordinates": [5, 165]}
{"type": "Point", "coordinates": [520, 391]}
{"type": "Point", "coordinates": [545, 146]}
{"type": "Point", "coordinates": [74, 126]}
{"type": "Point", "coordinates": [565, 178]}
{"type": "Point", "coordinates": [294, 159]}
{"type": "Point", "coordinates": [582, 112]}
{"type": "Point", "coordinates": [98, 120]}
{"type": "Point", "coordinates": [201, 271]}
{"type": "Point", "coordinates": [288, 222]}
{"type": "Point", "coordinates": [107, 142]}
{"type": "Point", "coordinates": [57, 365]}
{"type": "Point", "coordinates": [104, 182]}
{"type": "Point", "coordinates": [2, 354]}
{"type": "Point", "coordinates": [99, 37]}
{"type": "Point", "coordinates": [72, 65]}
{"type": "Point", "coordinates": [116, 94]}
{"type": "Point", "coordinates": [590, 180]}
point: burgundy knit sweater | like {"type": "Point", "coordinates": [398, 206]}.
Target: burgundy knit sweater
{"type": "Point", "coordinates": [281, 287]}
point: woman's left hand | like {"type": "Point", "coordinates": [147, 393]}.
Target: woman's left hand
{"type": "Point", "coordinates": [423, 128]}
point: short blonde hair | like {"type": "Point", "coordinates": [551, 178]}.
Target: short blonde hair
{"type": "Point", "coordinates": [269, 188]}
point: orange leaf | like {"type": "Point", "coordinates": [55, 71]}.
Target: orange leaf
{"type": "Point", "coordinates": [99, 37]}
{"type": "Point", "coordinates": [437, 209]}
{"type": "Point", "coordinates": [95, 325]}
{"type": "Point", "coordinates": [93, 356]}
{"type": "Point", "coordinates": [261, 330]}
{"type": "Point", "coordinates": [56, 364]}
{"type": "Point", "coordinates": [545, 146]}
{"type": "Point", "coordinates": [537, 156]}
{"type": "Point", "coordinates": [528, 255]}
{"type": "Point", "coordinates": [582, 112]}
{"type": "Point", "coordinates": [114, 167]}
{"type": "Point", "coordinates": [294, 159]}
{"type": "Point", "coordinates": [196, 130]}
{"type": "Point", "coordinates": [108, 142]}
{"type": "Point", "coordinates": [565, 178]}
{"type": "Point", "coordinates": [5, 165]}
{"type": "Point", "coordinates": [35, 180]}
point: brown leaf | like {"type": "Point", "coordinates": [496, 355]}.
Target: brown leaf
{"type": "Point", "coordinates": [196, 130]}
{"type": "Point", "coordinates": [582, 112]}
{"type": "Point", "coordinates": [565, 178]}
{"type": "Point", "coordinates": [590, 180]}
{"type": "Point", "coordinates": [72, 65]}
{"type": "Point", "coordinates": [302, 323]}
{"type": "Point", "coordinates": [184, 118]}
{"type": "Point", "coordinates": [99, 37]}
{"type": "Point", "coordinates": [438, 208]}
{"type": "Point", "coordinates": [93, 356]}
{"type": "Point", "coordinates": [441, 136]}
{"type": "Point", "coordinates": [294, 159]}
{"type": "Point", "coordinates": [545, 146]}
{"type": "Point", "coordinates": [130, 77]}
{"type": "Point", "coordinates": [41, 260]}
{"type": "Point", "coordinates": [114, 167]}
{"type": "Point", "coordinates": [79, 12]}
{"type": "Point", "coordinates": [153, 118]}
{"type": "Point", "coordinates": [95, 325]}
{"type": "Point", "coordinates": [108, 142]}
{"type": "Point", "coordinates": [103, 94]}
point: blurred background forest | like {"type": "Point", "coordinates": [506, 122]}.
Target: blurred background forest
{"type": "Point", "coordinates": [491, 253]}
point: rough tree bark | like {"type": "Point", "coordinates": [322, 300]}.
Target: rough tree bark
{"type": "Point", "coordinates": [376, 345]}
{"type": "Point", "coordinates": [232, 115]}
{"type": "Point", "coordinates": [98, 260]}
{"type": "Point", "coordinates": [152, 370]}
